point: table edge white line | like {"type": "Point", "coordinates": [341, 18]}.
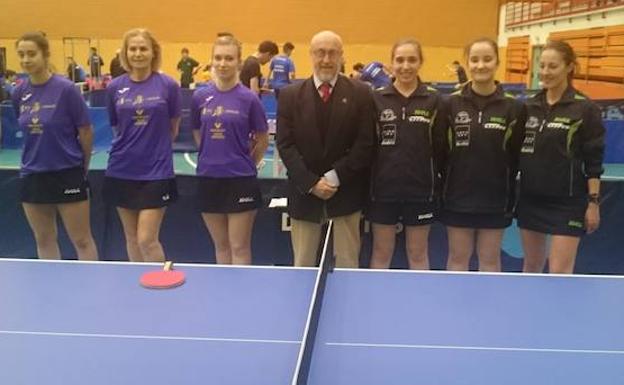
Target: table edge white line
{"type": "Point", "coordinates": [159, 264]}
{"type": "Point", "coordinates": [360, 270]}
{"type": "Point", "coordinates": [483, 348]}
{"type": "Point", "coordinates": [146, 337]}
{"type": "Point", "coordinates": [480, 273]}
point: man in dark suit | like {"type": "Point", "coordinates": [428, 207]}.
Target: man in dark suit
{"type": "Point", "coordinates": [325, 137]}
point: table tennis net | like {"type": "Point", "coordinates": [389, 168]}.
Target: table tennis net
{"type": "Point", "coordinates": [326, 265]}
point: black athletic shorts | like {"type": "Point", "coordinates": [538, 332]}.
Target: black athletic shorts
{"type": "Point", "coordinates": [475, 220]}
{"type": "Point", "coordinates": [407, 213]}
{"type": "Point", "coordinates": [228, 195]}
{"type": "Point", "coordinates": [139, 194]}
{"type": "Point", "coordinates": [558, 216]}
{"type": "Point", "coordinates": [54, 187]}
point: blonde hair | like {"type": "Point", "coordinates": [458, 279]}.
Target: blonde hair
{"type": "Point", "coordinates": [229, 40]}
{"type": "Point", "coordinates": [147, 35]}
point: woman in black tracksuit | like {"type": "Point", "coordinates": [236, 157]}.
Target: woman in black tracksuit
{"type": "Point", "coordinates": [485, 131]}
{"type": "Point", "coordinates": [560, 165]}
{"type": "Point", "coordinates": [405, 172]}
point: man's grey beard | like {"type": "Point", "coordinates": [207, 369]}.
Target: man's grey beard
{"type": "Point", "coordinates": [324, 77]}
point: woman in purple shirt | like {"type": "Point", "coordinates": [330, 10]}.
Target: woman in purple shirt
{"type": "Point", "coordinates": [57, 149]}
{"type": "Point", "coordinates": [144, 109]}
{"type": "Point", "coordinates": [230, 128]}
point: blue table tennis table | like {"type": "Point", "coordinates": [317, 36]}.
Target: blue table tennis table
{"type": "Point", "coordinates": [69, 322]}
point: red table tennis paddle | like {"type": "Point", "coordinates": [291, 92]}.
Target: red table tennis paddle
{"type": "Point", "coordinates": [166, 278]}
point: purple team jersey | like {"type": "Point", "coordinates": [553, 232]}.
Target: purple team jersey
{"type": "Point", "coordinates": [226, 120]}
{"type": "Point", "coordinates": [50, 114]}
{"type": "Point", "coordinates": [141, 113]}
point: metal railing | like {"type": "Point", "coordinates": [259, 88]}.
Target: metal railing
{"type": "Point", "coordinates": [527, 12]}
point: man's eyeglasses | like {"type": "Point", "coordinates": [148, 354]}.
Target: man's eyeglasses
{"type": "Point", "coordinates": [331, 54]}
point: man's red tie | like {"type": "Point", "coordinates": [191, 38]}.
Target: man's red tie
{"type": "Point", "coordinates": [325, 89]}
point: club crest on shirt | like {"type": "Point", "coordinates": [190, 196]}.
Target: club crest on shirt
{"type": "Point", "coordinates": [140, 118]}
{"type": "Point", "coordinates": [462, 117]}
{"type": "Point", "coordinates": [387, 115]}
{"type": "Point", "coordinates": [34, 126]}
{"type": "Point", "coordinates": [217, 132]}
{"type": "Point", "coordinates": [138, 100]}
{"type": "Point", "coordinates": [218, 111]}
{"type": "Point", "coordinates": [36, 107]}
{"type": "Point", "coordinates": [532, 122]}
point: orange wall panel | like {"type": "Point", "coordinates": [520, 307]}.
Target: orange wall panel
{"type": "Point", "coordinates": [434, 22]}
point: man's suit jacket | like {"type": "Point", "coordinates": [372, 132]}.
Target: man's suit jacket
{"type": "Point", "coordinates": [348, 147]}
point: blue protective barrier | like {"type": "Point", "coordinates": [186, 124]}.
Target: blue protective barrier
{"type": "Point", "coordinates": [102, 133]}
{"type": "Point", "coordinates": [95, 98]}
{"type": "Point", "coordinates": [13, 138]}
{"type": "Point", "coordinates": [614, 149]}
{"type": "Point", "coordinates": [184, 142]}
{"type": "Point", "coordinates": [613, 119]}
{"type": "Point", "coordinates": [185, 239]}
{"type": "Point", "coordinates": [270, 105]}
